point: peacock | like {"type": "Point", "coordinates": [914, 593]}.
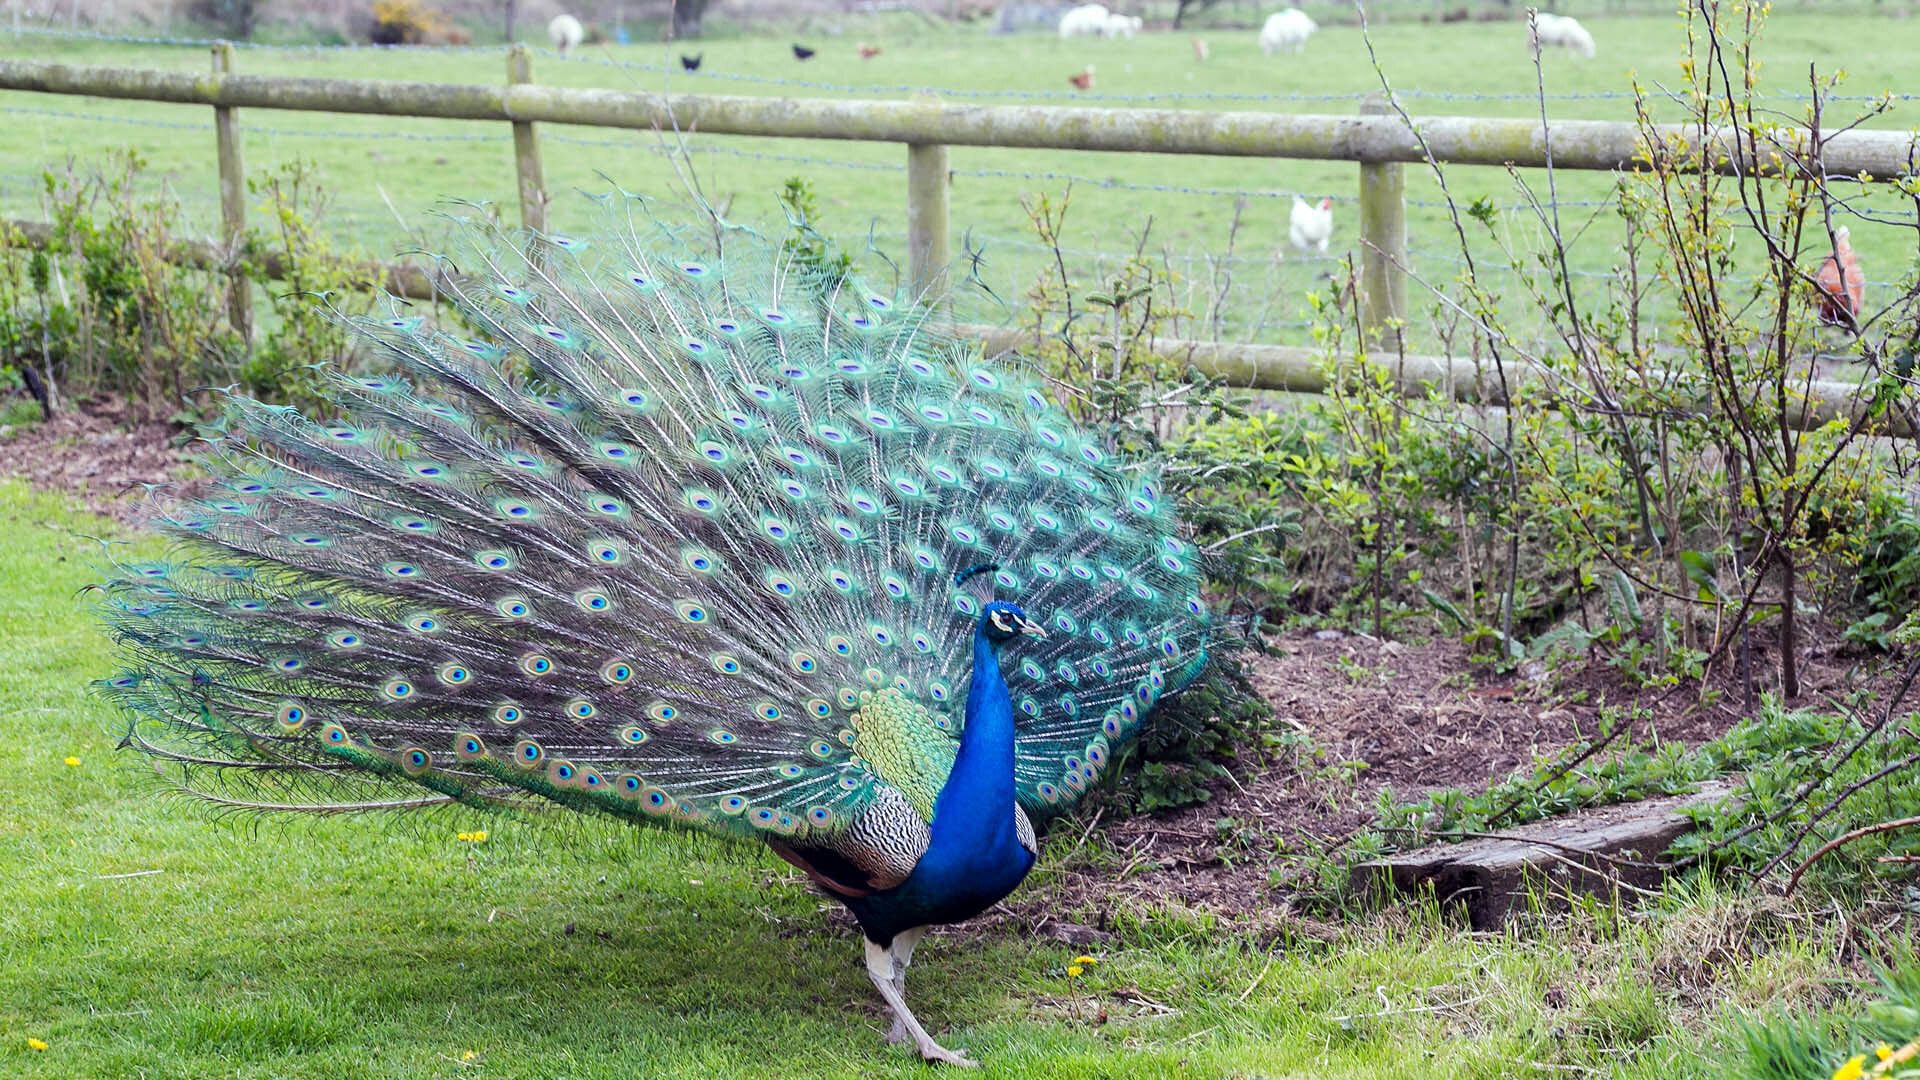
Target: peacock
{"type": "Point", "coordinates": [688, 525]}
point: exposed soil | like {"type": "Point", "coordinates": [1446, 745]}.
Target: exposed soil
{"type": "Point", "coordinates": [95, 451]}
{"type": "Point", "coordinates": [1382, 716]}
{"type": "Point", "coordinates": [1379, 715]}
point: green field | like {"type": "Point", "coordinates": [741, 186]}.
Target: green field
{"type": "Point", "coordinates": [143, 935]}
{"type": "Point", "coordinates": [387, 174]}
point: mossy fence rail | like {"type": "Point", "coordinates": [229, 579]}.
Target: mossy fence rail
{"type": "Point", "coordinates": [1376, 139]}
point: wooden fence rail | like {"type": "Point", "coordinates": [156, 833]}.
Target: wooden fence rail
{"type": "Point", "coordinates": [1280, 368]}
{"type": "Point", "coordinates": [1377, 140]}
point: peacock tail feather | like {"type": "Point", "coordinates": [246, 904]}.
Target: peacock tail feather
{"type": "Point", "coordinates": [669, 530]}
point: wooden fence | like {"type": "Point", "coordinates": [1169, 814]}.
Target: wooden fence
{"type": "Point", "coordinates": [1376, 140]}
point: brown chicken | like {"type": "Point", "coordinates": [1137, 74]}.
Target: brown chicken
{"type": "Point", "coordinates": [868, 52]}
{"type": "Point", "coordinates": [1842, 285]}
{"type": "Point", "coordinates": [1082, 80]}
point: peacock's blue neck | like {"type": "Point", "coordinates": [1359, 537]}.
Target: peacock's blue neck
{"type": "Point", "coordinates": [986, 742]}
{"type": "Point", "coordinates": [973, 817]}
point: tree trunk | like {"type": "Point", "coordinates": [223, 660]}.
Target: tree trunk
{"type": "Point", "coordinates": [513, 18]}
{"type": "Point", "coordinates": [686, 17]}
{"type": "Point", "coordinates": [1789, 665]}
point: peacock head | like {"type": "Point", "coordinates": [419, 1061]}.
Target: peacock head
{"type": "Point", "coordinates": [1002, 621]}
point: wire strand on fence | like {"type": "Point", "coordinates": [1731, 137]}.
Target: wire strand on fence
{"type": "Point", "coordinates": [1084, 97]}
{"type": "Point", "coordinates": [258, 46]}
{"type": "Point", "coordinates": [633, 143]}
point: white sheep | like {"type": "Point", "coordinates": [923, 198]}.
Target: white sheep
{"type": "Point", "coordinates": [1087, 20]}
{"type": "Point", "coordinates": [1121, 26]}
{"type": "Point", "coordinates": [1563, 31]}
{"type": "Point", "coordinates": [566, 33]}
{"type": "Point", "coordinates": [1286, 31]}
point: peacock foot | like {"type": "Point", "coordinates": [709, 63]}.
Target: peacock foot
{"type": "Point", "coordinates": [933, 1051]}
{"type": "Point", "coordinates": [896, 1034]}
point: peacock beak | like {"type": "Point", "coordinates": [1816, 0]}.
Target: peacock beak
{"type": "Point", "coordinates": [1033, 629]}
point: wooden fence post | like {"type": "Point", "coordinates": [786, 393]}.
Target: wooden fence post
{"type": "Point", "coordinates": [526, 149]}
{"type": "Point", "coordinates": [1383, 235]}
{"type": "Point", "coordinates": [929, 231]}
{"type": "Point", "coordinates": [233, 201]}
{"type": "Point", "coordinates": [929, 240]}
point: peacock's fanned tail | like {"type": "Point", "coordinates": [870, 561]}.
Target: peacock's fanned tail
{"type": "Point", "coordinates": [670, 531]}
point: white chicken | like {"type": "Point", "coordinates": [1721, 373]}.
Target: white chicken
{"type": "Point", "coordinates": [1311, 226]}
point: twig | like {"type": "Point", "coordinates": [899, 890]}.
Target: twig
{"type": "Point", "coordinates": [1257, 979]}
{"type": "Point", "coordinates": [1088, 831]}
{"type": "Point", "coordinates": [1893, 701]}
{"type": "Point", "coordinates": [1844, 838]}
{"type": "Point", "coordinates": [131, 874]}
{"type": "Point", "coordinates": [1389, 1010]}
{"type": "Point", "coordinates": [1849, 792]}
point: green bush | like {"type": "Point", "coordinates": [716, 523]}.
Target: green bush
{"type": "Point", "coordinates": [116, 301]}
{"type": "Point", "coordinates": [110, 309]}
{"type": "Point", "coordinates": [316, 289]}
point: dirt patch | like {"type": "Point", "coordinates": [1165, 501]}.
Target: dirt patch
{"type": "Point", "coordinates": [1383, 717]}
{"type": "Point", "coordinates": [97, 452]}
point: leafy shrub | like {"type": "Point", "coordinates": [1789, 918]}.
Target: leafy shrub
{"type": "Point", "coordinates": [110, 307]}
{"type": "Point", "coordinates": [1887, 582]}
{"type": "Point", "coordinates": [1243, 505]}
{"type": "Point", "coordinates": [315, 287]}
{"type": "Point", "coordinates": [406, 22]}
{"type": "Point", "coordinates": [1195, 735]}
{"type": "Point", "coordinates": [117, 301]}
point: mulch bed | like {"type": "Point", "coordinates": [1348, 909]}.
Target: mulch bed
{"type": "Point", "coordinates": [1381, 715]}
{"type": "Point", "coordinates": [98, 452]}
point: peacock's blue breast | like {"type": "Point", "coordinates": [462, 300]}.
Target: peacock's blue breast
{"type": "Point", "coordinates": [948, 886]}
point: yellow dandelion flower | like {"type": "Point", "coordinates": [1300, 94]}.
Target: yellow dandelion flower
{"type": "Point", "coordinates": [36, 1044]}
{"type": "Point", "coordinates": [72, 762]}
{"type": "Point", "coordinates": [1085, 960]}
{"type": "Point", "coordinates": [1883, 1051]}
{"type": "Point", "coordinates": [469, 1055]}
{"type": "Point", "coordinates": [1856, 1065]}
{"type": "Point", "coordinates": [1074, 970]}
{"type": "Point", "coordinates": [477, 836]}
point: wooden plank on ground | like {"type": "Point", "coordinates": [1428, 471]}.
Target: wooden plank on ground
{"type": "Point", "coordinates": [1604, 852]}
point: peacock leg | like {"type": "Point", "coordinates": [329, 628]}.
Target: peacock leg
{"type": "Point", "coordinates": [880, 968]}
{"type": "Point", "coordinates": [902, 950]}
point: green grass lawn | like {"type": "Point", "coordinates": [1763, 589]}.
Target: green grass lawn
{"type": "Point", "coordinates": [386, 174]}
{"type": "Point", "coordinates": [350, 947]}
